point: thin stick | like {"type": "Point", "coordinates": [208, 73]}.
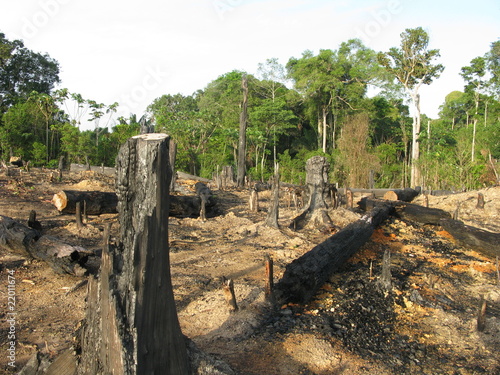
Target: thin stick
{"type": "Point", "coordinates": [78, 215]}
{"type": "Point", "coordinates": [498, 272]}
{"type": "Point", "coordinates": [481, 317]}
{"type": "Point", "coordinates": [269, 276]}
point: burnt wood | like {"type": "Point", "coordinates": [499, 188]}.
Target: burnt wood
{"type": "Point", "coordinates": [483, 241]}
{"type": "Point", "coordinates": [27, 242]}
{"type": "Point", "coordinates": [318, 190]}
{"type": "Point", "coordinates": [305, 276]}
{"type": "Point", "coordinates": [132, 325]}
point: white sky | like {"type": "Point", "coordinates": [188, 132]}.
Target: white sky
{"type": "Point", "coordinates": [132, 52]}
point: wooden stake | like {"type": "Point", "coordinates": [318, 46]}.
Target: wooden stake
{"type": "Point", "coordinates": [269, 276]}
{"type": "Point", "coordinates": [254, 200]}
{"type": "Point", "coordinates": [498, 272]}
{"type": "Point", "coordinates": [78, 215]}
{"type": "Point", "coordinates": [228, 289]}
{"type": "Point", "coordinates": [481, 317]}
{"type": "Point", "coordinates": [349, 198]}
{"type": "Point", "coordinates": [457, 210]}
{"type": "Point", "coordinates": [427, 200]}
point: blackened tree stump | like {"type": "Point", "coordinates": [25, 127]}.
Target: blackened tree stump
{"type": "Point", "coordinates": [318, 190]}
{"type": "Point", "coordinates": [132, 325]}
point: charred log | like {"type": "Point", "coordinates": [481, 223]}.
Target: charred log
{"type": "Point", "coordinates": [29, 243]}
{"type": "Point", "coordinates": [305, 275]}
{"type": "Point", "coordinates": [477, 239]}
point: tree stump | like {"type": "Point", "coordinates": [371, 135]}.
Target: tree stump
{"type": "Point", "coordinates": [318, 192]}
{"type": "Point", "coordinates": [132, 325]}
{"type": "Point", "coordinates": [273, 213]}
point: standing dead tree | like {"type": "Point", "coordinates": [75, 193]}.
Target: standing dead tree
{"type": "Point", "coordinates": [318, 192]}
{"type": "Point", "coordinates": [131, 325]}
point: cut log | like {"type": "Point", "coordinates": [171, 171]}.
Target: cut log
{"type": "Point", "coordinates": [405, 195]}
{"type": "Point", "coordinates": [27, 242]}
{"type": "Point", "coordinates": [131, 325]}
{"type": "Point", "coordinates": [304, 276]}
{"type": "Point", "coordinates": [483, 241]}
{"type": "Point", "coordinates": [97, 202]}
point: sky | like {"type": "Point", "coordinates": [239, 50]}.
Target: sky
{"type": "Point", "coordinates": [133, 52]}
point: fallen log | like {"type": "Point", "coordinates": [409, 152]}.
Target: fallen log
{"type": "Point", "coordinates": [186, 176]}
{"type": "Point", "coordinates": [304, 276]}
{"type": "Point", "coordinates": [420, 214]}
{"type": "Point", "coordinates": [106, 202]}
{"type": "Point", "coordinates": [97, 202]}
{"type": "Point", "coordinates": [408, 211]}
{"type": "Point", "coordinates": [405, 195]}
{"type": "Point", "coordinates": [29, 243]}
{"type": "Point", "coordinates": [483, 241]}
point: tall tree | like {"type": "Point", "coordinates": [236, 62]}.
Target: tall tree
{"type": "Point", "coordinates": [23, 71]}
{"type": "Point", "coordinates": [242, 139]}
{"type": "Point", "coordinates": [412, 66]}
{"type": "Point", "coordinates": [475, 84]}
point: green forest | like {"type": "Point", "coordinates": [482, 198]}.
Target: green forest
{"type": "Point", "coordinates": [315, 104]}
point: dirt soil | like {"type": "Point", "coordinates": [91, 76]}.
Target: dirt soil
{"type": "Point", "coordinates": [426, 323]}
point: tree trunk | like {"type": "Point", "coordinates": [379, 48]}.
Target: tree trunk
{"type": "Point", "coordinates": [477, 239]}
{"type": "Point", "coordinates": [273, 213]}
{"type": "Point", "coordinates": [27, 242]}
{"type": "Point", "coordinates": [318, 192]}
{"type": "Point", "coordinates": [97, 202]}
{"type": "Point", "coordinates": [307, 274]}
{"type": "Point", "coordinates": [405, 195]}
{"type": "Point", "coordinates": [242, 140]}
{"type": "Point", "coordinates": [408, 211]}
{"type": "Point", "coordinates": [132, 325]}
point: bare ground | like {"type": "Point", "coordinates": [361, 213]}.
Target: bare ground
{"type": "Point", "coordinates": [426, 323]}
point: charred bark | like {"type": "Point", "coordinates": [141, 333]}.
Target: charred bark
{"type": "Point", "coordinates": [477, 239]}
{"type": "Point", "coordinates": [318, 192]}
{"type": "Point", "coordinates": [132, 325]}
{"type": "Point", "coordinates": [305, 275]}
